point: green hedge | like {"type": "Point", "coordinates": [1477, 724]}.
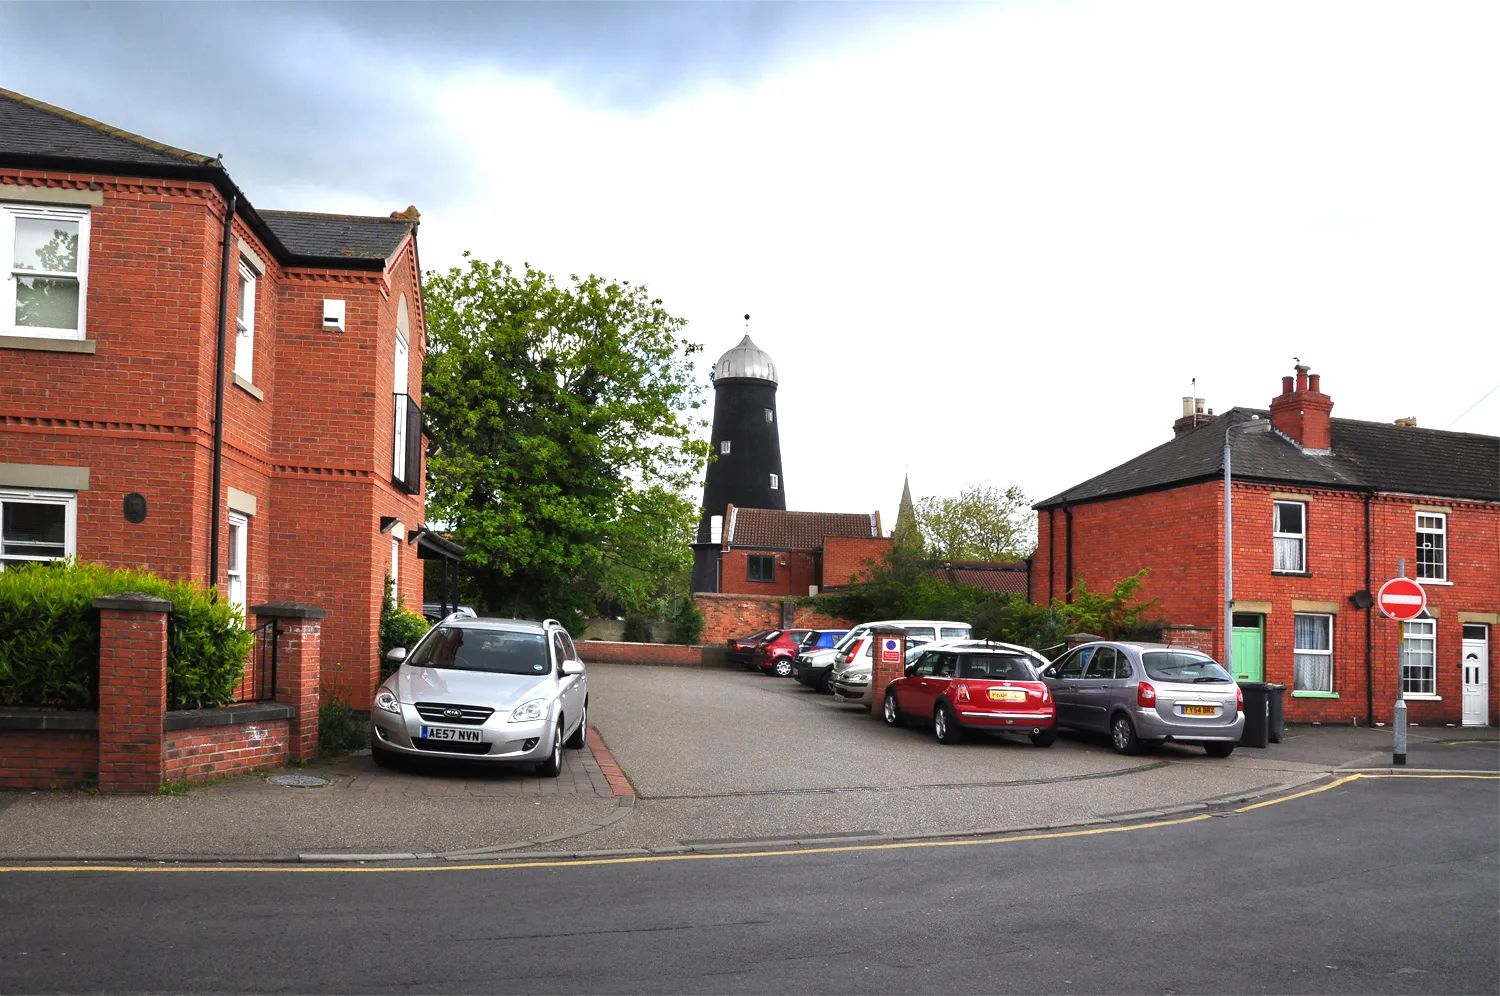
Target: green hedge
{"type": "Point", "coordinates": [49, 636]}
{"type": "Point", "coordinates": [399, 627]}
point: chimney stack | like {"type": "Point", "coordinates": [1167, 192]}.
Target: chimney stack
{"type": "Point", "coordinates": [1193, 415]}
{"type": "Point", "coordinates": [1303, 412]}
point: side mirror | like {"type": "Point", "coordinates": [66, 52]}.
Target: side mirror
{"type": "Point", "coordinates": [572, 667]}
{"type": "Point", "coordinates": [396, 655]}
{"type": "Point", "coordinates": [910, 668]}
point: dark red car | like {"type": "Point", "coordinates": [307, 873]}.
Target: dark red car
{"type": "Point", "coordinates": [742, 648]}
{"type": "Point", "coordinates": [774, 655]}
{"type": "Point", "coordinates": [992, 688]}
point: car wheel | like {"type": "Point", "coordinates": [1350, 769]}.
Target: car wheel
{"type": "Point", "coordinates": [1046, 738]}
{"type": "Point", "coordinates": [1122, 731]}
{"type": "Point", "coordinates": [1219, 750]}
{"type": "Point", "coordinates": [825, 683]}
{"type": "Point", "coordinates": [580, 735]}
{"type": "Point", "coordinates": [783, 668]}
{"type": "Point", "coordinates": [945, 725]}
{"type": "Point", "coordinates": [552, 767]}
{"type": "Point", "coordinates": [892, 710]}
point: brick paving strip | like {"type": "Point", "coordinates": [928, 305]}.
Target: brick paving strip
{"type": "Point", "coordinates": [618, 783]}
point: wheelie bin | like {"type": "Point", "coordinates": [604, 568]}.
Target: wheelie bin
{"type": "Point", "coordinates": [1257, 707]}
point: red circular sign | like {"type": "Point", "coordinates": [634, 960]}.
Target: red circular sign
{"type": "Point", "coordinates": [1401, 598]}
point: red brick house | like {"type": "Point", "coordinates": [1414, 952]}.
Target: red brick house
{"type": "Point", "coordinates": [769, 551]}
{"type": "Point", "coordinates": [1323, 509]}
{"type": "Point", "coordinates": [143, 295]}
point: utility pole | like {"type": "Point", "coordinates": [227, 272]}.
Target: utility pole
{"type": "Point", "coordinates": [1398, 720]}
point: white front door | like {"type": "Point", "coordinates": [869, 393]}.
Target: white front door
{"type": "Point", "coordinates": [1476, 665]}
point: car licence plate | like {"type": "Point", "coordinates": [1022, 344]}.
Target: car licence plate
{"type": "Point", "coordinates": [1198, 710]}
{"type": "Point", "coordinates": [1007, 695]}
{"type": "Point", "coordinates": [447, 733]}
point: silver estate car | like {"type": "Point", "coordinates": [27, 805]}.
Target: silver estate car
{"type": "Point", "coordinates": [1143, 693]}
{"type": "Point", "coordinates": [493, 690]}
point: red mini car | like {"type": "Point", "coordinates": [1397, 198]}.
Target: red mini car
{"type": "Point", "coordinates": [775, 655]}
{"type": "Point", "coordinates": [993, 688]}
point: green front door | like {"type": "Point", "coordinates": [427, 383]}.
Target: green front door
{"type": "Point", "coordinates": [1249, 648]}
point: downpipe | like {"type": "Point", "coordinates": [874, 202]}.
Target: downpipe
{"type": "Point", "coordinates": [218, 450]}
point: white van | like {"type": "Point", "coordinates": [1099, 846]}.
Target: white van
{"type": "Point", "coordinates": [854, 663]}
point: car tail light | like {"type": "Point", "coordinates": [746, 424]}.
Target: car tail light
{"type": "Point", "coordinates": [1046, 695]}
{"type": "Point", "coordinates": [1239, 699]}
{"type": "Point", "coordinates": [963, 692]}
{"type": "Point", "coordinates": [1145, 695]}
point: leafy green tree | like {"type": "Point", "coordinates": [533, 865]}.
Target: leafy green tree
{"type": "Point", "coordinates": [566, 440]}
{"type": "Point", "coordinates": [399, 627]}
{"type": "Point", "coordinates": [1115, 613]}
{"type": "Point", "coordinates": [981, 523]}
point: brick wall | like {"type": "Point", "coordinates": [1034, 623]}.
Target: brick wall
{"type": "Point", "coordinates": [609, 652]}
{"type": "Point", "coordinates": [39, 759]}
{"type": "Point", "coordinates": [728, 616]}
{"type": "Point", "coordinates": [846, 557]}
{"type": "Point", "coordinates": [795, 573]}
{"type": "Point", "coordinates": [193, 755]}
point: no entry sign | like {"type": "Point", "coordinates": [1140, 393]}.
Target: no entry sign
{"type": "Point", "coordinates": [890, 651]}
{"type": "Point", "coordinates": [1401, 598]}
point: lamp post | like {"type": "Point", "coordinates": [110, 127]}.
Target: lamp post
{"type": "Point", "coordinates": [1254, 425]}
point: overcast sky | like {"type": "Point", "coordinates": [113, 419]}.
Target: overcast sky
{"type": "Point", "coordinates": [983, 243]}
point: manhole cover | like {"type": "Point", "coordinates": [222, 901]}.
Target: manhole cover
{"type": "Point", "coordinates": [298, 781]}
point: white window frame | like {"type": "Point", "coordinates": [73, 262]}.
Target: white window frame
{"type": "Point", "coordinates": [237, 567]}
{"type": "Point", "coordinates": [396, 566]}
{"type": "Point", "coordinates": [775, 482]}
{"type": "Point", "coordinates": [770, 415]}
{"type": "Point", "coordinates": [1308, 652]}
{"type": "Point", "coordinates": [9, 212]}
{"type": "Point", "coordinates": [1277, 534]}
{"type": "Point", "coordinates": [67, 499]}
{"type": "Point", "coordinates": [400, 374]}
{"type": "Point", "coordinates": [244, 323]}
{"type": "Point", "coordinates": [1440, 531]}
{"type": "Point", "coordinates": [1424, 684]}
{"type": "Point", "coordinates": [723, 447]}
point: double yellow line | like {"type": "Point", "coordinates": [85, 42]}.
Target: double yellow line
{"type": "Point", "coordinates": [655, 858]}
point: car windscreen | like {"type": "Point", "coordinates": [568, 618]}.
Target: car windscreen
{"type": "Point", "coordinates": [1175, 665]}
{"type": "Point", "coordinates": [495, 651]}
{"type": "Point", "coordinates": [996, 667]}
{"type": "Point", "coordinates": [847, 640]}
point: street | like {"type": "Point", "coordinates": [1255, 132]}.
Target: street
{"type": "Point", "coordinates": [1377, 884]}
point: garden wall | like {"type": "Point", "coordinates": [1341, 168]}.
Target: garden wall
{"type": "Point", "coordinates": [729, 616]}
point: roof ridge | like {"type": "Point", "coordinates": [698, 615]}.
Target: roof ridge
{"type": "Point", "coordinates": [331, 214]}
{"type": "Point", "coordinates": [196, 158]}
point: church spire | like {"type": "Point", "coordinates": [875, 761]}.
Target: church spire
{"type": "Point", "coordinates": [907, 537]}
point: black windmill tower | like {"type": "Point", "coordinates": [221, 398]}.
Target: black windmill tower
{"type": "Point", "coordinates": [745, 470]}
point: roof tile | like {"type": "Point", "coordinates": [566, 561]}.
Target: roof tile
{"type": "Point", "coordinates": [777, 529]}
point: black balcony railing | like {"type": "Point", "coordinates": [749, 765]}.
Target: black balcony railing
{"type": "Point", "coordinates": [406, 458]}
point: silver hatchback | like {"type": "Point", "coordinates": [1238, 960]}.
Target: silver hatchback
{"type": "Point", "coordinates": [1143, 693]}
{"type": "Point", "coordinates": [494, 690]}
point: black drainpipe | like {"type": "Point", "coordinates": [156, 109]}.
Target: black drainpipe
{"type": "Point", "coordinates": [1051, 551]}
{"type": "Point", "coordinates": [218, 460]}
{"type": "Point", "coordinates": [1369, 626]}
{"type": "Point", "coordinates": [1068, 546]}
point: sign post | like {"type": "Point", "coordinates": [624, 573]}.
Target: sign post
{"type": "Point", "coordinates": [1400, 599]}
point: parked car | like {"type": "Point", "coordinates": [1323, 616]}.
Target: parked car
{"type": "Point", "coordinates": [850, 679]}
{"type": "Point", "coordinates": [494, 690]}
{"type": "Point", "coordinates": [742, 649]}
{"type": "Point", "coordinates": [991, 687]}
{"type": "Point", "coordinates": [1142, 693]}
{"type": "Point", "coordinates": [774, 655]}
{"type": "Point", "coordinates": [815, 667]}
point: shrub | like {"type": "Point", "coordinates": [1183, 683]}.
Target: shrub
{"type": "Point", "coordinates": [340, 729]}
{"type": "Point", "coordinates": [637, 629]}
{"type": "Point", "coordinates": [49, 636]}
{"type": "Point", "coordinates": [687, 623]}
{"type": "Point", "coordinates": [399, 627]}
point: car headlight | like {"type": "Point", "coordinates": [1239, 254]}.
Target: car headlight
{"type": "Point", "coordinates": [384, 699]}
{"type": "Point", "coordinates": [529, 711]}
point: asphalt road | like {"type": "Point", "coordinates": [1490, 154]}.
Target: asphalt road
{"type": "Point", "coordinates": [1375, 886]}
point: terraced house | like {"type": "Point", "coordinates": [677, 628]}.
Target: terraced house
{"type": "Point", "coordinates": [204, 389]}
{"type": "Point", "coordinates": [1324, 510]}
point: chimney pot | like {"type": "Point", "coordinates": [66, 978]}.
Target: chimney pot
{"type": "Point", "coordinates": [1286, 385]}
{"type": "Point", "coordinates": [1187, 406]}
{"type": "Point", "coordinates": [1301, 369]}
{"type": "Point", "coordinates": [1312, 382]}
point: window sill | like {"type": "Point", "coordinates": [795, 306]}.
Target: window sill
{"type": "Point", "coordinates": [48, 345]}
{"type": "Point", "coordinates": [1315, 695]}
{"type": "Point", "coordinates": [1291, 574]}
{"type": "Point", "coordinates": [248, 388]}
{"type": "Point", "coordinates": [1427, 581]}
{"type": "Point", "coordinates": [1413, 697]}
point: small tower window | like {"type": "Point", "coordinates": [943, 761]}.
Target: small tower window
{"type": "Point", "coordinates": [724, 447]}
{"type": "Point", "coordinates": [775, 482]}
{"type": "Point", "coordinates": [770, 415]}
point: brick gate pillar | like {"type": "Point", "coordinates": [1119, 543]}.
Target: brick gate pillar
{"type": "Point", "coordinates": [132, 690]}
{"type": "Point", "coordinates": [298, 663]}
{"type": "Point", "coordinates": [887, 663]}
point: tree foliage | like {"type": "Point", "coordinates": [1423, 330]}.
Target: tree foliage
{"type": "Point", "coordinates": [562, 414]}
{"type": "Point", "coordinates": [399, 627]}
{"type": "Point", "coordinates": [982, 523]}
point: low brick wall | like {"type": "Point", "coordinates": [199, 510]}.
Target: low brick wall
{"type": "Point", "coordinates": [609, 652]}
{"type": "Point", "coordinates": [210, 743]}
{"type": "Point", "coordinates": [729, 616]}
{"type": "Point", "coordinates": [64, 755]}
